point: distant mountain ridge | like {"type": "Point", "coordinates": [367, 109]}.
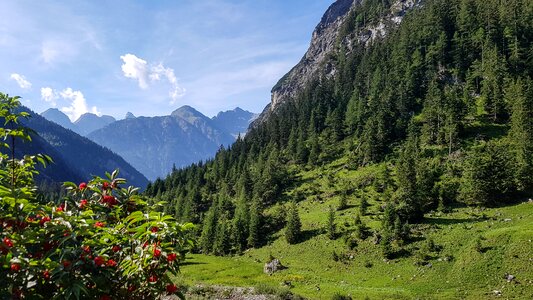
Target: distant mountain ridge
{"type": "Point", "coordinates": [84, 125]}
{"type": "Point", "coordinates": [155, 144]}
{"type": "Point", "coordinates": [235, 121]}
{"type": "Point", "coordinates": [76, 158]}
{"type": "Point", "coordinates": [88, 123]}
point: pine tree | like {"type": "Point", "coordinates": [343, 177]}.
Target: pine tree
{"type": "Point", "coordinates": [254, 225]}
{"type": "Point", "coordinates": [331, 226]}
{"type": "Point", "coordinates": [343, 202]}
{"type": "Point", "coordinates": [363, 206]}
{"type": "Point", "coordinates": [521, 132]}
{"type": "Point", "coordinates": [209, 230]}
{"type": "Point", "coordinates": [222, 242]}
{"type": "Point", "coordinates": [294, 225]}
{"type": "Point", "coordinates": [241, 224]}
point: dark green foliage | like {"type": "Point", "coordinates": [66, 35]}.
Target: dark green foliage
{"type": "Point", "coordinates": [478, 246]}
{"type": "Point", "coordinates": [488, 176]}
{"type": "Point", "coordinates": [209, 230]}
{"type": "Point", "coordinates": [294, 225]}
{"type": "Point", "coordinates": [254, 225]}
{"type": "Point", "coordinates": [363, 205]}
{"type": "Point", "coordinates": [222, 244]}
{"type": "Point", "coordinates": [343, 202]}
{"type": "Point", "coordinates": [520, 98]}
{"type": "Point", "coordinates": [331, 227]}
{"type": "Point", "coordinates": [240, 225]}
{"type": "Point", "coordinates": [338, 296]}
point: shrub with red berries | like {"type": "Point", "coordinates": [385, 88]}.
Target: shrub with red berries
{"type": "Point", "coordinates": [101, 241]}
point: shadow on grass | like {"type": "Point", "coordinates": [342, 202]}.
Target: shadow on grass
{"type": "Point", "coordinates": [309, 234]}
{"type": "Point", "coordinates": [191, 263]}
{"type": "Point", "coordinates": [446, 221]}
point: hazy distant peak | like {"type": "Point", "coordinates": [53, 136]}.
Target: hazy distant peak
{"type": "Point", "coordinates": [186, 110]}
{"type": "Point", "coordinates": [129, 115]}
{"type": "Point", "coordinates": [58, 117]}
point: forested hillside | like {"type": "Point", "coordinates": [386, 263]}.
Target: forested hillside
{"type": "Point", "coordinates": [444, 99]}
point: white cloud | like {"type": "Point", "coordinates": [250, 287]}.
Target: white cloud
{"type": "Point", "coordinates": [76, 105]}
{"type": "Point", "coordinates": [21, 81]}
{"type": "Point", "coordinates": [48, 95]}
{"type": "Point", "coordinates": [137, 68]}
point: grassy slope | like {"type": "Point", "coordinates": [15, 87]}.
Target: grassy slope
{"type": "Point", "coordinates": [507, 248]}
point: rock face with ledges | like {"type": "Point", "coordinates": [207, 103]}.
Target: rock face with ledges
{"type": "Point", "coordinates": [317, 62]}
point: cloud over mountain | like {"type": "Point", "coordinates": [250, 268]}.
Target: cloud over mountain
{"type": "Point", "coordinates": [137, 68]}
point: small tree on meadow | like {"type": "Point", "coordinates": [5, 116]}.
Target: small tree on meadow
{"type": "Point", "coordinates": [294, 225]}
{"type": "Point", "coordinates": [331, 226]}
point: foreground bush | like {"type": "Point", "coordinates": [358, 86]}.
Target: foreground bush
{"type": "Point", "coordinates": [98, 242]}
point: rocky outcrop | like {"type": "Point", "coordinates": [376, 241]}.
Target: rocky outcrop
{"type": "Point", "coordinates": [273, 266]}
{"type": "Point", "coordinates": [316, 62]}
{"type": "Point", "coordinates": [322, 43]}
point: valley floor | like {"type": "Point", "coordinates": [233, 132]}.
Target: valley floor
{"type": "Point", "coordinates": [456, 271]}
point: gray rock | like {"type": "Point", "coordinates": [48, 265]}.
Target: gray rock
{"type": "Point", "coordinates": [273, 266]}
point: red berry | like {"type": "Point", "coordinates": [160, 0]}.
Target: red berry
{"type": "Point", "coordinates": [83, 186]}
{"type": "Point", "coordinates": [46, 275]}
{"type": "Point", "coordinates": [153, 278]}
{"type": "Point", "coordinates": [66, 263]}
{"type": "Point", "coordinates": [15, 267]}
{"type": "Point", "coordinates": [116, 248]}
{"type": "Point", "coordinates": [86, 249]}
{"type": "Point", "coordinates": [111, 263]}
{"type": "Point", "coordinates": [7, 242]}
{"type": "Point", "coordinates": [44, 220]}
{"type": "Point", "coordinates": [105, 185]}
{"type": "Point", "coordinates": [171, 288]}
{"type": "Point", "coordinates": [154, 229]}
{"type": "Point", "coordinates": [98, 224]}
{"type": "Point", "coordinates": [171, 257]}
{"type": "Point", "coordinates": [157, 252]}
{"type": "Point", "coordinates": [109, 200]}
{"type": "Point", "coordinates": [105, 297]}
{"type": "Point", "coordinates": [99, 261]}
{"type": "Point", "coordinates": [83, 203]}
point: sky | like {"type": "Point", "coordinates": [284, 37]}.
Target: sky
{"type": "Point", "coordinates": [151, 57]}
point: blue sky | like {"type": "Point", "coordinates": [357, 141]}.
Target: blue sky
{"type": "Point", "coordinates": [151, 57]}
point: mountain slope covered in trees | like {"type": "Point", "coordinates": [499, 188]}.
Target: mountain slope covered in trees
{"type": "Point", "coordinates": [418, 107]}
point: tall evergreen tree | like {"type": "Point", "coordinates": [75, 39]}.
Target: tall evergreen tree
{"type": "Point", "coordinates": [294, 225]}
{"type": "Point", "coordinates": [331, 226]}
{"type": "Point", "coordinates": [254, 235]}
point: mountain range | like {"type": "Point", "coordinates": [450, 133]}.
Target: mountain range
{"type": "Point", "coordinates": [154, 145]}
{"type": "Point", "coordinates": [76, 158]}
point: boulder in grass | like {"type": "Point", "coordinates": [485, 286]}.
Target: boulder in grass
{"type": "Point", "coordinates": [273, 266]}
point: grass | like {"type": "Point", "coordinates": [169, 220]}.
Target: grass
{"type": "Point", "coordinates": [456, 270]}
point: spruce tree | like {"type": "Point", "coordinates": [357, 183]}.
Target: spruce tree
{"type": "Point", "coordinates": [363, 206]}
{"type": "Point", "coordinates": [343, 202]}
{"type": "Point", "coordinates": [222, 242]}
{"type": "Point", "coordinates": [294, 225]}
{"type": "Point", "coordinates": [521, 133]}
{"type": "Point", "coordinates": [209, 230]}
{"type": "Point", "coordinates": [254, 225]}
{"type": "Point", "coordinates": [241, 224]}
{"type": "Point", "coordinates": [331, 226]}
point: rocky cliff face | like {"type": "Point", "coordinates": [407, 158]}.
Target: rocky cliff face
{"type": "Point", "coordinates": [325, 40]}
